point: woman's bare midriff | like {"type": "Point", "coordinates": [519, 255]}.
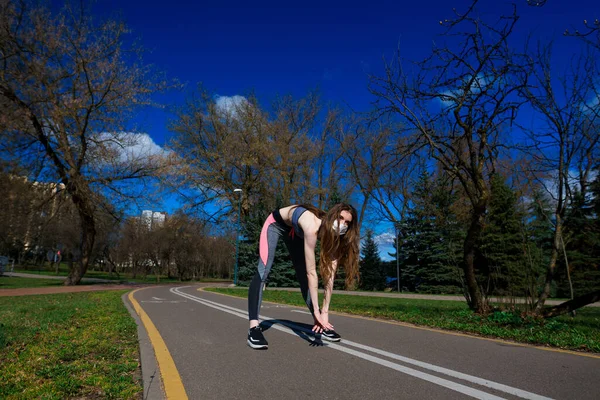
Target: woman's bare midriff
{"type": "Point", "coordinates": [308, 221]}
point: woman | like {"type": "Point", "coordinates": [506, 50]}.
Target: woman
{"type": "Point", "coordinates": [300, 226]}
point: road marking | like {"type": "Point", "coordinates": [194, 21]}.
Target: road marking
{"type": "Point", "coordinates": [401, 368]}
{"type": "Point", "coordinates": [158, 298]}
{"type": "Point", "coordinates": [455, 374]}
{"type": "Point", "coordinates": [437, 330]}
{"type": "Point", "coordinates": [301, 312]}
{"type": "Point", "coordinates": [172, 384]}
{"type": "Point", "coordinates": [162, 301]}
{"type": "Point", "coordinates": [471, 336]}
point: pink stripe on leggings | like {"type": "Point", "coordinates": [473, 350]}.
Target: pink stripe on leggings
{"type": "Point", "coordinates": [264, 243]}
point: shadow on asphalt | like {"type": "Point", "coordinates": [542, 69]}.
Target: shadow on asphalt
{"type": "Point", "coordinates": [303, 331]}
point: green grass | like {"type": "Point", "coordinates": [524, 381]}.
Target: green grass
{"type": "Point", "coordinates": [14, 282]}
{"type": "Point", "coordinates": [64, 271]}
{"type": "Point", "coordinates": [579, 333]}
{"type": "Point", "coordinates": [71, 345]}
{"type": "Point", "coordinates": [123, 277]}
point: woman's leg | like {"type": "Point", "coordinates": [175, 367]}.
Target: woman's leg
{"type": "Point", "coordinates": [296, 249]}
{"type": "Point", "coordinates": [269, 237]}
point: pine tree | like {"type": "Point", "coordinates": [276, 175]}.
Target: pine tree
{"type": "Point", "coordinates": [334, 198]}
{"type": "Point", "coordinates": [582, 241]}
{"type": "Point", "coordinates": [447, 241]}
{"type": "Point", "coordinates": [282, 272]}
{"type": "Point", "coordinates": [414, 237]}
{"type": "Point", "coordinates": [502, 242]}
{"type": "Point", "coordinates": [430, 240]}
{"type": "Point", "coordinates": [537, 241]}
{"type": "Point", "coordinates": [248, 250]}
{"type": "Point", "coordinates": [372, 274]}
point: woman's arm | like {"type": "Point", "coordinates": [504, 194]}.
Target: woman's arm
{"type": "Point", "coordinates": [329, 288]}
{"type": "Point", "coordinates": [310, 242]}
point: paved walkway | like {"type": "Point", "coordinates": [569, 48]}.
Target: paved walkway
{"type": "Point", "coordinates": [64, 289]}
{"type": "Point", "coordinates": [84, 279]}
{"type": "Point", "coordinates": [113, 286]}
{"type": "Point", "coordinates": [100, 284]}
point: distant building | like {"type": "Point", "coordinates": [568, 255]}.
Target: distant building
{"type": "Point", "coordinates": [153, 219]}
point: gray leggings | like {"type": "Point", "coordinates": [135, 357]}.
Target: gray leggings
{"type": "Point", "coordinates": [273, 229]}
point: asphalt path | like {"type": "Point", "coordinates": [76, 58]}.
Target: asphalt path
{"type": "Point", "coordinates": [84, 279]}
{"type": "Point", "coordinates": [205, 334]}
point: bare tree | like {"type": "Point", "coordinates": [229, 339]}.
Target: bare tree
{"type": "Point", "coordinates": [591, 34]}
{"type": "Point", "coordinates": [455, 106]}
{"type": "Point", "coordinates": [239, 145]}
{"type": "Point", "coordinates": [291, 149]}
{"type": "Point", "coordinates": [328, 156]}
{"type": "Point", "coordinates": [69, 87]}
{"type": "Point", "coordinates": [129, 251]}
{"type": "Point", "coordinates": [194, 253]}
{"type": "Point", "coordinates": [565, 148]}
{"type": "Point", "coordinates": [221, 149]}
{"type": "Point", "coordinates": [373, 162]}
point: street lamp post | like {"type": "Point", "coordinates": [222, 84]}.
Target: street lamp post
{"type": "Point", "coordinates": [237, 240]}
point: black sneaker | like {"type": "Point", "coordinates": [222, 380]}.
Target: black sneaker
{"type": "Point", "coordinates": [331, 336]}
{"type": "Point", "coordinates": [256, 339]}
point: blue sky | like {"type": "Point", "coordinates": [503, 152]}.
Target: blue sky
{"type": "Point", "coordinates": [273, 48]}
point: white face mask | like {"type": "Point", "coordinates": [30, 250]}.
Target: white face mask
{"type": "Point", "coordinates": [339, 229]}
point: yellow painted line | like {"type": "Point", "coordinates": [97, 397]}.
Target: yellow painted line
{"type": "Point", "coordinates": [409, 325]}
{"type": "Point", "coordinates": [172, 384]}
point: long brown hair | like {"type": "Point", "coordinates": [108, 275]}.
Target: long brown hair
{"type": "Point", "coordinates": [343, 248]}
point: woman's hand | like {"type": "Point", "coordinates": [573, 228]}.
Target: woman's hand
{"type": "Point", "coordinates": [321, 322]}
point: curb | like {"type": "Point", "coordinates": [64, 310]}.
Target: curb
{"type": "Point", "coordinates": [152, 382]}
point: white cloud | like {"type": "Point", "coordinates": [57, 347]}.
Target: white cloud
{"type": "Point", "coordinates": [140, 145]}
{"type": "Point", "coordinates": [126, 147]}
{"type": "Point", "coordinates": [449, 97]}
{"type": "Point", "coordinates": [386, 242]}
{"type": "Point", "coordinates": [592, 106]}
{"type": "Point", "coordinates": [385, 239]}
{"type": "Point", "coordinates": [551, 185]}
{"type": "Point", "coordinates": [229, 105]}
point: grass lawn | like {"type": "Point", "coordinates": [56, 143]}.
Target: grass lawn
{"type": "Point", "coordinates": [579, 333]}
{"type": "Point", "coordinates": [123, 277]}
{"type": "Point", "coordinates": [14, 282]}
{"type": "Point", "coordinates": [71, 345]}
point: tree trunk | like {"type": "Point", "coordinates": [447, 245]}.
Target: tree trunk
{"type": "Point", "coordinates": [87, 225]}
{"type": "Point", "coordinates": [475, 299]}
{"type": "Point", "coordinates": [572, 305]}
{"type": "Point", "coordinates": [551, 267]}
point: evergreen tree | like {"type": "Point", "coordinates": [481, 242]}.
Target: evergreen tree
{"type": "Point", "coordinates": [372, 274]}
{"type": "Point", "coordinates": [415, 237]}
{"type": "Point", "coordinates": [447, 244]}
{"type": "Point", "coordinates": [502, 242]}
{"type": "Point", "coordinates": [582, 241]}
{"type": "Point", "coordinates": [430, 239]}
{"type": "Point", "coordinates": [334, 198]}
{"type": "Point", "coordinates": [282, 272]}
{"type": "Point", "coordinates": [537, 242]}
